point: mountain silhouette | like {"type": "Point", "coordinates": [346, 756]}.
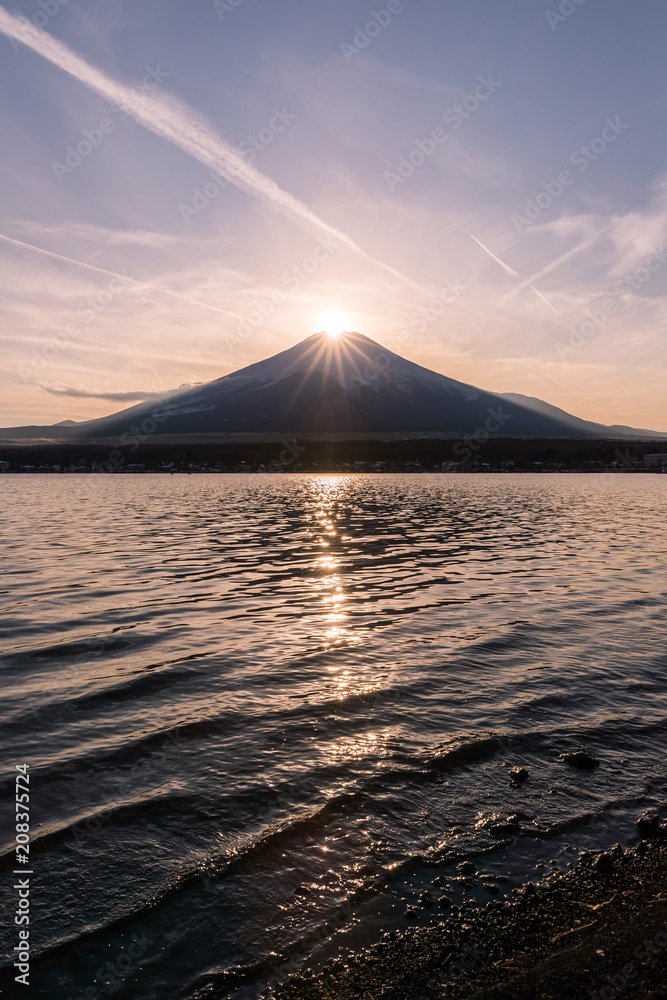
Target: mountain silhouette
{"type": "Point", "coordinates": [337, 385]}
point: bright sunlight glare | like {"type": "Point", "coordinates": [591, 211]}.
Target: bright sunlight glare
{"type": "Point", "coordinates": [333, 323]}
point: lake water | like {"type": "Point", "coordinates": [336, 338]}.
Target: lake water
{"type": "Point", "coordinates": [263, 713]}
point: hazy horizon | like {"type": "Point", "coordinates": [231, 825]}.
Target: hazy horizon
{"type": "Point", "coordinates": [482, 191]}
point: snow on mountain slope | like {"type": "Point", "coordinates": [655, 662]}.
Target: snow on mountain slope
{"type": "Point", "coordinates": [351, 360]}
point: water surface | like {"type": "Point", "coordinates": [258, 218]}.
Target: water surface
{"type": "Point", "coordinates": [264, 713]}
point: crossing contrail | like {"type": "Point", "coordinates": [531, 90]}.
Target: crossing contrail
{"type": "Point", "coordinates": [554, 263]}
{"type": "Point", "coordinates": [541, 296]}
{"type": "Point", "coordinates": [174, 120]}
{"type": "Point", "coordinates": [505, 267]}
{"type": "Point", "coordinates": [515, 274]}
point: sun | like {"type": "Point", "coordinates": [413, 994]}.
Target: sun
{"type": "Point", "coordinates": [333, 322]}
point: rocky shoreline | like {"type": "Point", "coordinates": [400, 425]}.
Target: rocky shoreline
{"type": "Point", "coordinates": [598, 932]}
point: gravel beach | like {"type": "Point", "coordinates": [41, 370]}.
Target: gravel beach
{"type": "Point", "coordinates": [596, 933]}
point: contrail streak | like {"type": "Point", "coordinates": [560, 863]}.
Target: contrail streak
{"type": "Point", "coordinates": [114, 274]}
{"type": "Point", "coordinates": [505, 267]}
{"type": "Point", "coordinates": [554, 263]}
{"type": "Point", "coordinates": [543, 298]}
{"type": "Point", "coordinates": [564, 384]}
{"type": "Point", "coordinates": [172, 119]}
{"type": "Point", "coordinates": [515, 274]}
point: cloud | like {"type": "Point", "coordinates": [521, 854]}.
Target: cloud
{"type": "Point", "coordinates": [172, 119]}
{"type": "Point", "coordinates": [81, 393]}
{"type": "Point", "coordinates": [623, 239]}
{"type": "Point", "coordinates": [93, 233]}
{"type": "Point", "coordinates": [638, 234]}
{"type": "Point", "coordinates": [138, 237]}
{"type": "Point", "coordinates": [114, 274]}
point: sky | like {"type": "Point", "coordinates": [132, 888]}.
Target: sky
{"type": "Point", "coordinates": [190, 188]}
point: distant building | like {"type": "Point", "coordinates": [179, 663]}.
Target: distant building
{"type": "Point", "coordinates": [655, 461]}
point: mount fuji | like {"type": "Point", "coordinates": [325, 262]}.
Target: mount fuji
{"type": "Point", "coordinates": [345, 385]}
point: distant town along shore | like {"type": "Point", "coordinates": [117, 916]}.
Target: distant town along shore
{"type": "Point", "coordinates": [299, 454]}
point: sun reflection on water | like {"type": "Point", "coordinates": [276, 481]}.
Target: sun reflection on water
{"type": "Point", "coordinates": [329, 585]}
{"type": "Point", "coordinates": [347, 673]}
{"type": "Point", "coordinates": [360, 746]}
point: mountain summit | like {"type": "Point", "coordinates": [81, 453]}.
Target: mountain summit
{"type": "Point", "coordinates": [345, 384]}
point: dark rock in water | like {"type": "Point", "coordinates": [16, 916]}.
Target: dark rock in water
{"type": "Point", "coordinates": [581, 760]}
{"type": "Point", "coordinates": [444, 902]}
{"type": "Point", "coordinates": [648, 825]}
{"type": "Point", "coordinates": [411, 912]}
{"type": "Point", "coordinates": [604, 863]}
{"type": "Point", "coordinates": [519, 774]}
{"type": "Point", "coordinates": [467, 868]}
{"type": "Point", "coordinates": [491, 888]}
{"type": "Point", "coordinates": [427, 898]}
{"type": "Point", "coordinates": [437, 882]}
